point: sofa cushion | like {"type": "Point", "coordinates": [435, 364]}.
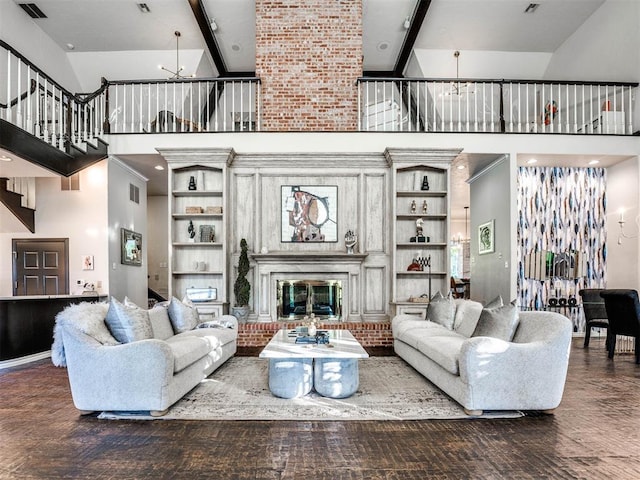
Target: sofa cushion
{"type": "Point", "coordinates": [441, 310]}
{"type": "Point", "coordinates": [183, 317]}
{"type": "Point", "coordinates": [160, 323]}
{"type": "Point", "coordinates": [498, 322]}
{"type": "Point", "coordinates": [216, 336]}
{"type": "Point", "coordinates": [128, 324]}
{"type": "Point", "coordinates": [403, 323]}
{"type": "Point", "coordinates": [412, 335]}
{"type": "Point", "coordinates": [188, 349]}
{"type": "Point", "coordinates": [443, 349]}
{"type": "Point", "coordinates": [467, 315]}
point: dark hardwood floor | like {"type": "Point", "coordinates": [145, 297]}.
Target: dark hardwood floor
{"type": "Point", "coordinates": [594, 434]}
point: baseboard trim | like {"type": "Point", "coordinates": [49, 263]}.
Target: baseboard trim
{"type": "Point", "coordinates": [16, 362]}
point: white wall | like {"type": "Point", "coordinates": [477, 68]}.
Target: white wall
{"type": "Point", "coordinates": [623, 192]}
{"type": "Point", "coordinates": [604, 48]}
{"type": "Point", "coordinates": [80, 216]}
{"type": "Point", "coordinates": [126, 280]}
{"type": "Point", "coordinates": [492, 198]}
{"type": "Point", "coordinates": [90, 67]}
{"type": "Point", "coordinates": [158, 244]}
{"type": "Point", "coordinates": [22, 33]}
{"type": "Point", "coordinates": [478, 64]}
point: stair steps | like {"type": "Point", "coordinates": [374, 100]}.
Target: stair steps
{"type": "Point", "coordinates": [13, 201]}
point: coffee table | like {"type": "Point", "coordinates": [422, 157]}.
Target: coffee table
{"type": "Point", "coordinates": [331, 369]}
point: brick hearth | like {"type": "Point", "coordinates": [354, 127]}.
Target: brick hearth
{"type": "Point", "coordinates": [368, 334]}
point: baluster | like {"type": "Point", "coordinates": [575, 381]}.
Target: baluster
{"type": "Point", "coordinates": [54, 117]}
{"type": "Point", "coordinates": [61, 121]}
{"type": "Point", "coordinates": [45, 113]}
{"type": "Point", "coordinates": [493, 122]}
{"type": "Point", "coordinates": [8, 111]}
{"type": "Point", "coordinates": [613, 115]}
{"type": "Point", "coordinates": [19, 102]}
{"type": "Point", "coordinates": [629, 112]}
{"type": "Point", "coordinates": [29, 124]}
{"type": "Point", "coordinates": [183, 111]}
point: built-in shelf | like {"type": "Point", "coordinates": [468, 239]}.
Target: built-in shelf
{"type": "Point", "coordinates": [196, 215]}
{"type": "Point", "coordinates": [415, 216]}
{"type": "Point", "coordinates": [198, 244]}
{"type": "Point", "coordinates": [196, 193]}
{"type": "Point", "coordinates": [421, 245]}
{"type": "Point", "coordinates": [420, 274]}
{"type": "Point", "coordinates": [421, 193]}
{"type": "Point", "coordinates": [198, 272]}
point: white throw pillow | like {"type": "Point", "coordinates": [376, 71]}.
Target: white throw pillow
{"type": "Point", "coordinates": [128, 324]}
{"type": "Point", "coordinates": [183, 317]}
{"type": "Point", "coordinates": [441, 310]}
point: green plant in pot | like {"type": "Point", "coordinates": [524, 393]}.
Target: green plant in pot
{"type": "Point", "coordinates": [242, 287]}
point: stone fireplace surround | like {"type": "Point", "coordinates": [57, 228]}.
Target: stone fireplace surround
{"type": "Point", "coordinates": [277, 266]}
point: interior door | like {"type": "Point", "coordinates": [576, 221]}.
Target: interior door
{"type": "Point", "coordinates": [40, 266]}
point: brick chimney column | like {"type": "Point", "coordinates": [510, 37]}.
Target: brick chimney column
{"type": "Point", "coordinates": [308, 57]}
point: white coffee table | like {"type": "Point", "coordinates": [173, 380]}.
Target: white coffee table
{"type": "Point", "coordinates": [296, 368]}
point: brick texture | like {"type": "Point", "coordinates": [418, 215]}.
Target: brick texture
{"type": "Point", "coordinates": [308, 57]}
{"type": "Point", "coordinates": [368, 334]}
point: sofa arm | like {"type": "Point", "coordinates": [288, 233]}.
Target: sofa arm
{"type": "Point", "coordinates": [121, 377]}
{"type": "Point", "coordinates": [530, 375]}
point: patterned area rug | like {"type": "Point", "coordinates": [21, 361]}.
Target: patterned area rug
{"type": "Point", "coordinates": [389, 390]}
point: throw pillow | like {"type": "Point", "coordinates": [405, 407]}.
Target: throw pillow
{"type": "Point", "coordinates": [500, 322]}
{"type": "Point", "coordinates": [183, 317]}
{"type": "Point", "coordinates": [128, 324]}
{"type": "Point", "coordinates": [495, 303]}
{"type": "Point", "coordinates": [441, 310]}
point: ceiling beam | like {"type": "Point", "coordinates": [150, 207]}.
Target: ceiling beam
{"type": "Point", "coordinates": [409, 41]}
{"type": "Point", "coordinates": [209, 38]}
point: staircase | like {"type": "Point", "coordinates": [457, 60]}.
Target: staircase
{"type": "Point", "coordinates": [31, 148]}
{"type": "Point", "coordinates": [13, 201]}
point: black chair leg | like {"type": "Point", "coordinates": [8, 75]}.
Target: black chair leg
{"type": "Point", "coordinates": [587, 336]}
{"type": "Point", "coordinates": [637, 350]}
{"type": "Point", "coordinates": [608, 339]}
{"type": "Point", "coordinates": [612, 346]}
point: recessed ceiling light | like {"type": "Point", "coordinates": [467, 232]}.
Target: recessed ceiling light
{"type": "Point", "coordinates": [71, 46]}
{"type": "Point", "coordinates": [383, 46]}
{"type": "Point", "coordinates": [236, 47]}
{"type": "Point", "coordinates": [159, 167]}
{"type": "Point", "coordinates": [531, 161]}
{"type": "Point", "coordinates": [594, 162]}
{"type": "Point", "coordinates": [461, 167]}
{"type": "Point", "coordinates": [4, 158]}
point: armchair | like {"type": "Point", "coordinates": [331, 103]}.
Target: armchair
{"type": "Point", "coordinates": [595, 314]}
{"type": "Point", "coordinates": [623, 312]}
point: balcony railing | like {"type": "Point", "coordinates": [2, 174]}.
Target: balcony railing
{"type": "Point", "coordinates": [495, 106]}
{"type": "Point", "coordinates": [186, 105]}
{"type": "Point", "coordinates": [31, 100]}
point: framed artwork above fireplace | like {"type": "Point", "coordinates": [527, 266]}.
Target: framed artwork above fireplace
{"type": "Point", "coordinates": [309, 213]}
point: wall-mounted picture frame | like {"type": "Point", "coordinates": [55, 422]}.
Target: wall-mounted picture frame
{"type": "Point", "coordinates": [87, 262]}
{"type": "Point", "coordinates": [309, 213]}
{"type": "Point", "coordinates": [486, 238]}
{"type": "Point", "coordinates": [131, 247]}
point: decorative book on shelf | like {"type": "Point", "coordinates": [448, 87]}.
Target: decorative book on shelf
{"type": "Point", "coordinates": [207, 233]}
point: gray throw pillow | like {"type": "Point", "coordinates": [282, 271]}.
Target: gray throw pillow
{"type": "Point", "coordinates": [183, 317]}
{"type": "Point", "coordinates": [128, 324]}
{"type": "Point", "coordinates": [495, 303]}
{"type": "Point", "coordinates": [441, 310]}
{"type": "Point", "coordinates": [498, 322]}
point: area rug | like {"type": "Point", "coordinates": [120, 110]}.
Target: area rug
{"type": "Point", "coordinates": [239, 390]}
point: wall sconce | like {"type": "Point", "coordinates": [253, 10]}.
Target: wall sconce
{"type": "Point", "coordinates": [621, 222]}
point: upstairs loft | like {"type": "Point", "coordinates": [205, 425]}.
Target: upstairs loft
{"type": "Point", "coordinates": [33, 102]}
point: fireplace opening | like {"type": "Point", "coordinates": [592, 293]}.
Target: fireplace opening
{"type": "Point", "coordinates": [298, 298]}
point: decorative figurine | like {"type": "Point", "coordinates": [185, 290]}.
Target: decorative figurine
{"type": "Point", "coordinates": [413, 206]}
{"type": "Point", "coordinates": [425, 183]}
{"type": "Point", "coordinates": [420, 238]}
{"type": "Point", "coordinates": [192, 183]}
{"type": "Point", "coordinates": [192, 231]}
{"type": "Point", "coordinates": [424, 207]}
{"type": "Point", "coordinates": [350, 240]}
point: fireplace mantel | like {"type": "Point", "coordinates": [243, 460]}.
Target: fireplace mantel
{"type": "Point", "coordinates": [304, 257]}
{"type": "Point", "coordinates": [310, 265]}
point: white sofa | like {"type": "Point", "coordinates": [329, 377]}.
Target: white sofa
{"type": "Point", "coordinates": [150, 374]}
{"type": "Point", "coordinates": [526, 372]}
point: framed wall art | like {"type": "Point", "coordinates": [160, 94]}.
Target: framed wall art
{"type": "Point", "coordinates": [309, 213]}
{"type": "Point", "coordinates": [131, 247]}
{"type": "Point", "coordinates": [486, 238]}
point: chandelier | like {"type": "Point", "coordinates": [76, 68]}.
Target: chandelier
{"type": "Point", "coordinates": [176, 75]}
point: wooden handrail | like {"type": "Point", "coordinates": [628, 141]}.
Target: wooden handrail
{"type": "Point", "coordinates": [19, 98]}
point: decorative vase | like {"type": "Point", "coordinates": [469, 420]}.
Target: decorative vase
{"type": "Point", "coordinates": [312, 330]}
{"type": "Point", "coordinates": [192, 183]}
{"type": "Point", "coordinates": [241, 313]}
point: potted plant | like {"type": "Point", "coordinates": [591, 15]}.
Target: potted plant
{"type": "Point", "coordinates": [242, 287]}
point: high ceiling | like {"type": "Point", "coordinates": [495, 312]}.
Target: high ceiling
{"type": "Point", "coordinates": [103, 26]}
